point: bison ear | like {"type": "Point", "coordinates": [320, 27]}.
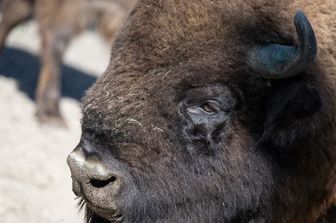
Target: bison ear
{"type": "Point", "coordinates": [292, 113]}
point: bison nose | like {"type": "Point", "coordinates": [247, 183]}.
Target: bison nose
{"type": "Point", "coordinates": [90, 173]}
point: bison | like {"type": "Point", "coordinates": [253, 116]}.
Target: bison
{"type": "Point", "coordinates": [59, 21]}
{"type": "Point", "coordinates": [213, 111]}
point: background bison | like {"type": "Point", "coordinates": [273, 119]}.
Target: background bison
{"type": "Point", "coordinates": [59, 21]}
{"type": "Point", "coordinates": [213, 111]}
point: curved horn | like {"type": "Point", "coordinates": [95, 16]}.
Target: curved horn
{"type": "Point", "coordinates": [275, 61]}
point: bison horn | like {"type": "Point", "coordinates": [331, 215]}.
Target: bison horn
{"type": "Point", "coordinates": [275, 61]}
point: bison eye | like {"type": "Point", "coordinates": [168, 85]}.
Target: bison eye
{"type": "Point", "coordinates": [210, 107]}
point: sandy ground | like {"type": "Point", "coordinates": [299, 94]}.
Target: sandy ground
{"type": "Point", "coordinates": [35, 183]}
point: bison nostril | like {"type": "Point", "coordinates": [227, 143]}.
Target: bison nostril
{"type": "Point", "coordinates": [102, 183]}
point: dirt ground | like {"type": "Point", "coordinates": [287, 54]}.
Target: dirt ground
{"type": "Point", "coordinates": [35, 183]}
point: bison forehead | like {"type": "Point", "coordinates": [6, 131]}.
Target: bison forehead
{"type": "Point", "coordinates": [161, 32]}
{"type": "Point", "coordinates": [163, 45]}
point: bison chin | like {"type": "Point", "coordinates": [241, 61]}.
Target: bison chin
{"type": "Point", "coordinates": [93, 214]}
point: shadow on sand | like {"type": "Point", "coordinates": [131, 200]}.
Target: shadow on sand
{"type": "Point", "coordinates": [25, 67]}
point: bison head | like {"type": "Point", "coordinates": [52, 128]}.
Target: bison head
{"type": "Point", "coordinates": [207, 114]}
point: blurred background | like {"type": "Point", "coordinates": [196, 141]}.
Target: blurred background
{"type": "Point", "coordinates": [35, 182]}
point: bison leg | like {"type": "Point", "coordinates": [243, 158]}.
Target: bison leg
{"type": "Point", "coordinates": [48, 90]}
{"type": "Point", "coordinates": [13, 13]}
{"type": "Point", "coordinates": [111, 15]}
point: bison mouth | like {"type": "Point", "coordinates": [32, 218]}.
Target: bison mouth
{"type": "Point", "coordinates": [94, 214]}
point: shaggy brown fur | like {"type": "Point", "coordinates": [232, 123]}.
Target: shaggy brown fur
{"type": "Point", "coordinates": [276, 161]}
{"type": "Point", "coordinates": [59, 21]}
